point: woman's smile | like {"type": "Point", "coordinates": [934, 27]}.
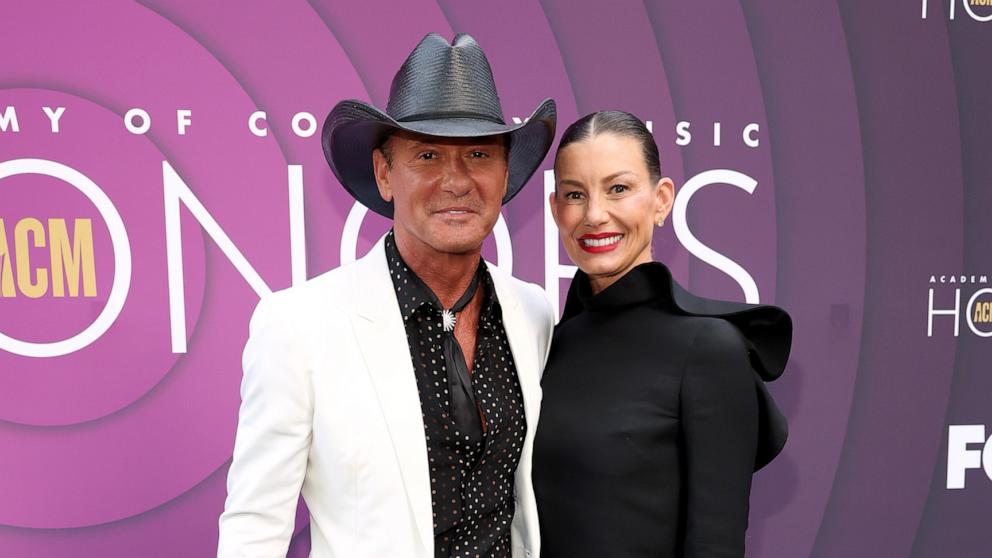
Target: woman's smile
{"type": "Point", "coordinates": [601, 242]}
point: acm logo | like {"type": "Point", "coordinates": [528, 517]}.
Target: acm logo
{"type": "Point", "coordinates": [70, 261]}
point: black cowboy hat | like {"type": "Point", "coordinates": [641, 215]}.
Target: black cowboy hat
{"type": "Point", "coordinates": [440, 90]}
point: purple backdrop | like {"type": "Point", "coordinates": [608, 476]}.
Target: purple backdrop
{"type": "Point", "coordinates": [867, 129]}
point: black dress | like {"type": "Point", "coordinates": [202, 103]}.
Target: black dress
{"type": "Point", "coordinates": [653, 419]}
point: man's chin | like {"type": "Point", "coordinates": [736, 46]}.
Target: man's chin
{"type": "Point", "coordinates": [458, 241]}
{"type": "Point", "coordinates": [458, 247]}
{"type": "Point", "coordinates": [458, 238]}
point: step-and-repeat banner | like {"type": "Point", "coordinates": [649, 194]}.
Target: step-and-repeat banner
{"type": "Point", "coordinates": [160, 169]}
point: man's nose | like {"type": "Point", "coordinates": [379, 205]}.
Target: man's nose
{"type": "Point", "coordinates": [456, 180]}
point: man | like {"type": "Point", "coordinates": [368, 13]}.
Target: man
{"type": "Point", "coordinates": [400, 393]}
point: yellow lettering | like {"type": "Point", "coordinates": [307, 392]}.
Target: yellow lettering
{"type": "Point", "coordinates": [6, 276]}
{"type": "Point", "coordinates": [982, 313]}
{"type": "Point", "coordinates": [66, 263]}
{"type": "Point", "coordinates": [38, 288]}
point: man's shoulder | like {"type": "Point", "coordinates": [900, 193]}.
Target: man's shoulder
{"type": "Point", "coordinates": [315, 288]}
{"type": "Point", "coordinates": [531, 296]}
{"type": "Point", "coordinates": [317, 294]}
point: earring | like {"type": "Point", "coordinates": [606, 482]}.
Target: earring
{"type": "Point", "coordinates": [661, 222]}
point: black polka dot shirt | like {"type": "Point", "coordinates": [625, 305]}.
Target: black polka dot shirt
{"type": "Point", "coordinates": [471, 482]}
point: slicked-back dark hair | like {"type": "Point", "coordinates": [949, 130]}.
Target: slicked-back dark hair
{"type": "Point", "coordinates": [616, 122]}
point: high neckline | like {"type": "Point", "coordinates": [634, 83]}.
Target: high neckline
{"type": "Point", "coordinates": [643, 283]}
{"type": "Point", "coordinates": [767, 329]}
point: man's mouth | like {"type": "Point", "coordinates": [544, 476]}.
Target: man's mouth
{"type": "Point", "coordinates": [455, 211]}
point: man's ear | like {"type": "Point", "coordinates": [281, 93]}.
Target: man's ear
{"type": "Point", "coordinates": [381, 169]}
{"type": "Point", "coordinates": [506, 182]}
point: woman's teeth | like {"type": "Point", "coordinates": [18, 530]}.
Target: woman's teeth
{"type": "Point", "coordinates": [602, 241]}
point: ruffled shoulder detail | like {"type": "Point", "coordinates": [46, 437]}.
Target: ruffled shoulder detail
{"type": "Point", "coordinates": [767, 329]}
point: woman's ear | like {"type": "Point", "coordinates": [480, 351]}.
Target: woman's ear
{"type": "Point", "coordinates": [553, 202]}
{"type": "Point", "coordinates": [664, 193]}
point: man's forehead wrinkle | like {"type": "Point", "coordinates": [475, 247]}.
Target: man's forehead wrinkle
{"type": "Point", "coordinates": [420, 140]}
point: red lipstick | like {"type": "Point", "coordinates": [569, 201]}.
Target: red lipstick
{"type": "Point", "coordinates": [600, 242]}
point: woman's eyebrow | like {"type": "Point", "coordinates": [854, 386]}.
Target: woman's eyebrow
{"type": "Point", "coordinates": [617, 174]}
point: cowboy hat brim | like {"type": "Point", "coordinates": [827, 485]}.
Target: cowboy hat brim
{"type": "Point", "coordinates": [353, 129]}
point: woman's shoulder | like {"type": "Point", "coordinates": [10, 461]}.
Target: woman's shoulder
{"type": "Point", "coordinates": [712, 332]}
{"type": "Point", "coordinates": [763, 331]}
{"type": "Point", "coordinates": [733, 342]}
{"type": "Point", "coordinates": [716, 346]}
{"type": "Point", "coordinates": [724, 365]}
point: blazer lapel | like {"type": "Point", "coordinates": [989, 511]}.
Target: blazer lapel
{"type": "Point", "coordinates": [521, 334]}
{"type": "Point", "coordinates": [382, 339]}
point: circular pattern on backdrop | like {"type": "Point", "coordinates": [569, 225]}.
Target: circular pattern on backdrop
{"type": "Point", "coordinates": [102, 435]}
{"type": "Point", "coordinates": [122, 260]}
{"type": "Point", "coordinates": [87, 340]}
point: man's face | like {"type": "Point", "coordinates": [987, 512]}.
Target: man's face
{"type": "Point", "coordinates": [446, 192]}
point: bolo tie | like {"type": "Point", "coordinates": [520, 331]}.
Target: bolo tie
{"type": "Point", "coordinates": [464, 411]}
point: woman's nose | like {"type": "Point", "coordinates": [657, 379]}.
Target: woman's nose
{"type": "Point", "coordinates": [596, 213]}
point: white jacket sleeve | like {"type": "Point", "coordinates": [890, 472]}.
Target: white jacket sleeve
{"type": "Point", "coordinates": [273, 438]}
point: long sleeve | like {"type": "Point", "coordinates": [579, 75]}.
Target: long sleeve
{"type": "Point", "coordinates": [720, 428]}
{"type": "Point", "coordinates": [273, 438]}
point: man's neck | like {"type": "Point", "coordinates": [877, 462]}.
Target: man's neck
{"type": "Point", "coordinates": [447, 275]}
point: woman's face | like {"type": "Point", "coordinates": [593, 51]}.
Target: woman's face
{"type": "Point", "coordinates": [606, 206]}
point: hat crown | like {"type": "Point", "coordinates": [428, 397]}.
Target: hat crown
{"type": "Point", "coordinates": [440, 80]}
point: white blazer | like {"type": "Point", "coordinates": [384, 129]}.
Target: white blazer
{"type": "Point", "coordinates": [330, 409]}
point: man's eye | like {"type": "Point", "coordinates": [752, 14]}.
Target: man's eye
{"type": "Point", "coordinates": [479, 154]}
{"type": "Point", "coordinates": [427, 155]}
{"type": "Point", "coordinates": [618, 188]}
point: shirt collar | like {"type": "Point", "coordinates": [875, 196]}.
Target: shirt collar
{"type": "Point", "coordinates": [415, 288]}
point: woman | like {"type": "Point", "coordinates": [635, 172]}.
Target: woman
{"type": "Point", "coordinates": [654, 413]}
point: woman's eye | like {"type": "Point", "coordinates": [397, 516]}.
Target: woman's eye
{"type": "Point", "coordinates": [618, 188]}
{"type": "Point", "coordinates": [573, 195]}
